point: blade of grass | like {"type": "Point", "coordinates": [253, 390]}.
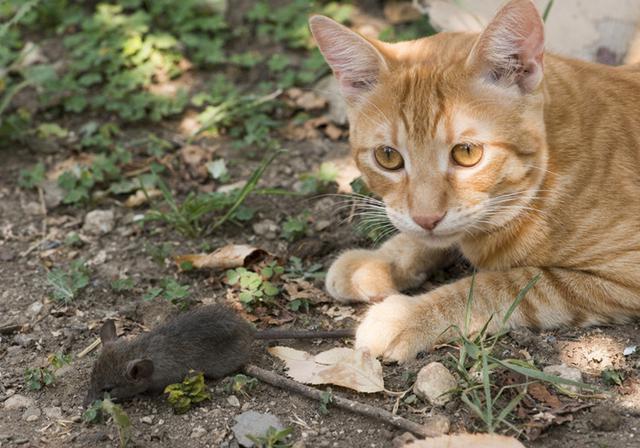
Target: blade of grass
{"type": "Point", "coordinates": [539, 375]}
{"type": "Point", "coordinates": [547, 10]}
{"type": "Point", "coordinates": [248, 188]}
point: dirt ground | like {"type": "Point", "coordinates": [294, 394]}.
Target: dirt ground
{"type": "Point", "coordinates": [46, 326]}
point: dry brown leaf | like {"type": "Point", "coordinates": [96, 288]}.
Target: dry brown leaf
{"type": "Point", "coordinates": [139, 198]}
{"type": "Point", "coordinates": [339, 312]}
{"type": "Point", "coordinates": [353, 369]}
{"type": "Point", "coordinates": [302, 289]}
{"type": "Point", "coordinates": [195, 159]}
{"type": "Point", "coordinates": [542, 394]}
{"type": "Point", "coordinates": [82, 160]}
{"type": "Point", "coordinates": [466, 441]}
{"type": "Point", "coordinates": [227, 257]}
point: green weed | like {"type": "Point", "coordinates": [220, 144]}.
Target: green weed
{"type": "Point", "coordinates": [255, 287]}
{"type": "Point", "coordinates": [321, 181]}
{"type": "Point", "coordinates": [38, 377]}
{"type": "Point", "coordinates": [478, 367]}
{"type": "Point", "coordinates": [241, 384]}
{"type": "Point", "coordinates": [272, 439]}
{"type": "Point", "coordinates": [295, 227]}
{"type": "Point", "coordinates": [192, 390]}
{"type": "Point", "coordinates": [67, 284]}
{"type": "Point", "coordinates": [99, 409]}
{"type": "Point", "coordinates": [171, 290]}
{"type": "Point", "coordinates": [187, 217]}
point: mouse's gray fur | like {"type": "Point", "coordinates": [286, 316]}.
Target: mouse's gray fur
{"type": "Point", "coordinates": [210, 339]}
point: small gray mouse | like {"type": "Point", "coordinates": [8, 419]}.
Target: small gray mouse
{"type": "Point", "coordinates": [211, 339]}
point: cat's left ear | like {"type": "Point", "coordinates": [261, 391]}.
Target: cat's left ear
{"type": "Point", "coordinates": [355, 61]}
{"type": "Point", "coordinates": [510, 50]}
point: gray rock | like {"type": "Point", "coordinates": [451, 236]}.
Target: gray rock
{"type": "Point", "coordinates": [437, 424]}
{"type": "Point", "coordinates": [433, 383]}
{"type": "Point", "coordinates": [566, 372]}
{"type": "Point", "coordinates": [233, 401]}
{"type": "Point", "coordinates": [147, 419]}
{"type": "Point", "coordinates": [7, 254]}
{"type": "Point", "coordinates": [53, 194]}
{"type": "Point", "coordinates": [23, 340]}
{"type": "Point", "coordinates": [266, 228]}
{"type": "Point", "coordinates": [32, 208]}
{"type": "Point", "coordinates": [99, 222]}
{"type": "Point", "coordinates": [252, 423]}
{"type": "Point", "coordinates": [605, 419]}
{"type": "Point", "coordinates": [53, 412]}
{"type": "Point", "coordinates": [34, 309]}
{"type": "Point", "coordinates": [198, 432]}
{"type": "Point", "coordinates": [31, 414]}
{"type": "Point", "coordinates": [18, 401]}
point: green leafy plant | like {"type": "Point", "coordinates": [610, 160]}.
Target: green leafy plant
{"type": "Point", "coordinates": [38, 377]}
{"type": "Point", "coordinates": [320, 181]}
{"type": "Point", "coordinates": [272, 439]}
{"type": "Point", "coordinates": [295, 227]}
{"type": "Point", "coordinates": [67, 284]}
{"type": "Point", "coordinates": [169, 289]}
{"type": "Point", "coordinates": [255, 287]}
{"type": "Point", "coordinates": [297, 269]}
{"type": "Point", "coordinates": [33, 177]}
{"type": "Point", "coordinates": [123, 284]}
{"type": "Point", "coordinates": [99, 409]}
{"type": "Point", "coordinates": [326, 398]}
{"type": "Point", "coordinates": [612, 377]}
{"type": "Point", "coordinates": [477, 366]}
{"type": "Point", "coordinates": [241, 384]}
{"type": "Point", "coordinates": [192, 390]}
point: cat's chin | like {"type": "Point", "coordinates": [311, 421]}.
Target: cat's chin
{"type": "Point", "coordinates": [438, 241]}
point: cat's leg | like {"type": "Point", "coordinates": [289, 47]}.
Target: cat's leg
{"type": "Point", "coordinates": [370, 275]}
{"type": "Point", "coordinates": [401, 326]}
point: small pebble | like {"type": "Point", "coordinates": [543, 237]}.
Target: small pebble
{"type": "Point", "coordinates": [433, 382]}
{"type": "Point", "coordinates": [148, 419]}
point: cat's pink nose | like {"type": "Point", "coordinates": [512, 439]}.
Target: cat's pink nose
{"type": "Point", "coordinates": [428, 222]}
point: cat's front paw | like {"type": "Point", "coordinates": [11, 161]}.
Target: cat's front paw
{"type": "Point", "coordinates": [394, 329]}
{"type": "Point", "coordinates": [358, 276]}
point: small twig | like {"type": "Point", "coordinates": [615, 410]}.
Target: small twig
{"type": "Point", "coordinates": [11, 328]}
{"type": "Point", "coordinates": [91, 347]}
{"type": "Point", "coordinates": [344, 403]}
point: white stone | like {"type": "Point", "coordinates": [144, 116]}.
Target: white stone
{"type": "Point", "coordinates": [18, 401]}
{"type": "Point", "coordinates": [147, 419]}
{"type": "Point", "coordinates": [566, 372]}
{"type": "Point", "coordinates": [31, 414]}
{"type": "Point", "coordinates": [53, 412]}
{"type": "Point", "coordinates": [433, 382]}
{"type": "Point", "coordinates": [198, 432]}
{"type": "Point", "coordinates": [255, 424]}
{"type": "Point", "coordinates": [99, 222]}
{"type": "Point", "coordinates": [233, 401]}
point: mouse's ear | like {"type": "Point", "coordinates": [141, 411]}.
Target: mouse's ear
{"type": "Point", "coordinates": [108, 332]}
{"type": "Point", "coordinates": [139, 369]}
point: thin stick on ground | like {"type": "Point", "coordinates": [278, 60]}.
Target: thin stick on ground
{"type": "Point", "coordinates": [344, 403]}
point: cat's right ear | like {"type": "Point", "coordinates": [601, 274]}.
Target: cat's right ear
{"type": "Point", "coordinates": [108, 332]}
{"type": "Point", "coordinates": [355, 62]}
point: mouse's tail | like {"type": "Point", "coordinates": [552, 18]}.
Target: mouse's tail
{"type": "Point", "coordinates": [305, 334]}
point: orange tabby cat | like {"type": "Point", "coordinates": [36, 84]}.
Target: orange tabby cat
{"type": "Point", "coordinates": [528, 163]}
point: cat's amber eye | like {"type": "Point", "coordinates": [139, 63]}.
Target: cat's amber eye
{"type": "Point", "coordinates": [466, 155]}
{"type": "Point", "coordinates": [388, 158]}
